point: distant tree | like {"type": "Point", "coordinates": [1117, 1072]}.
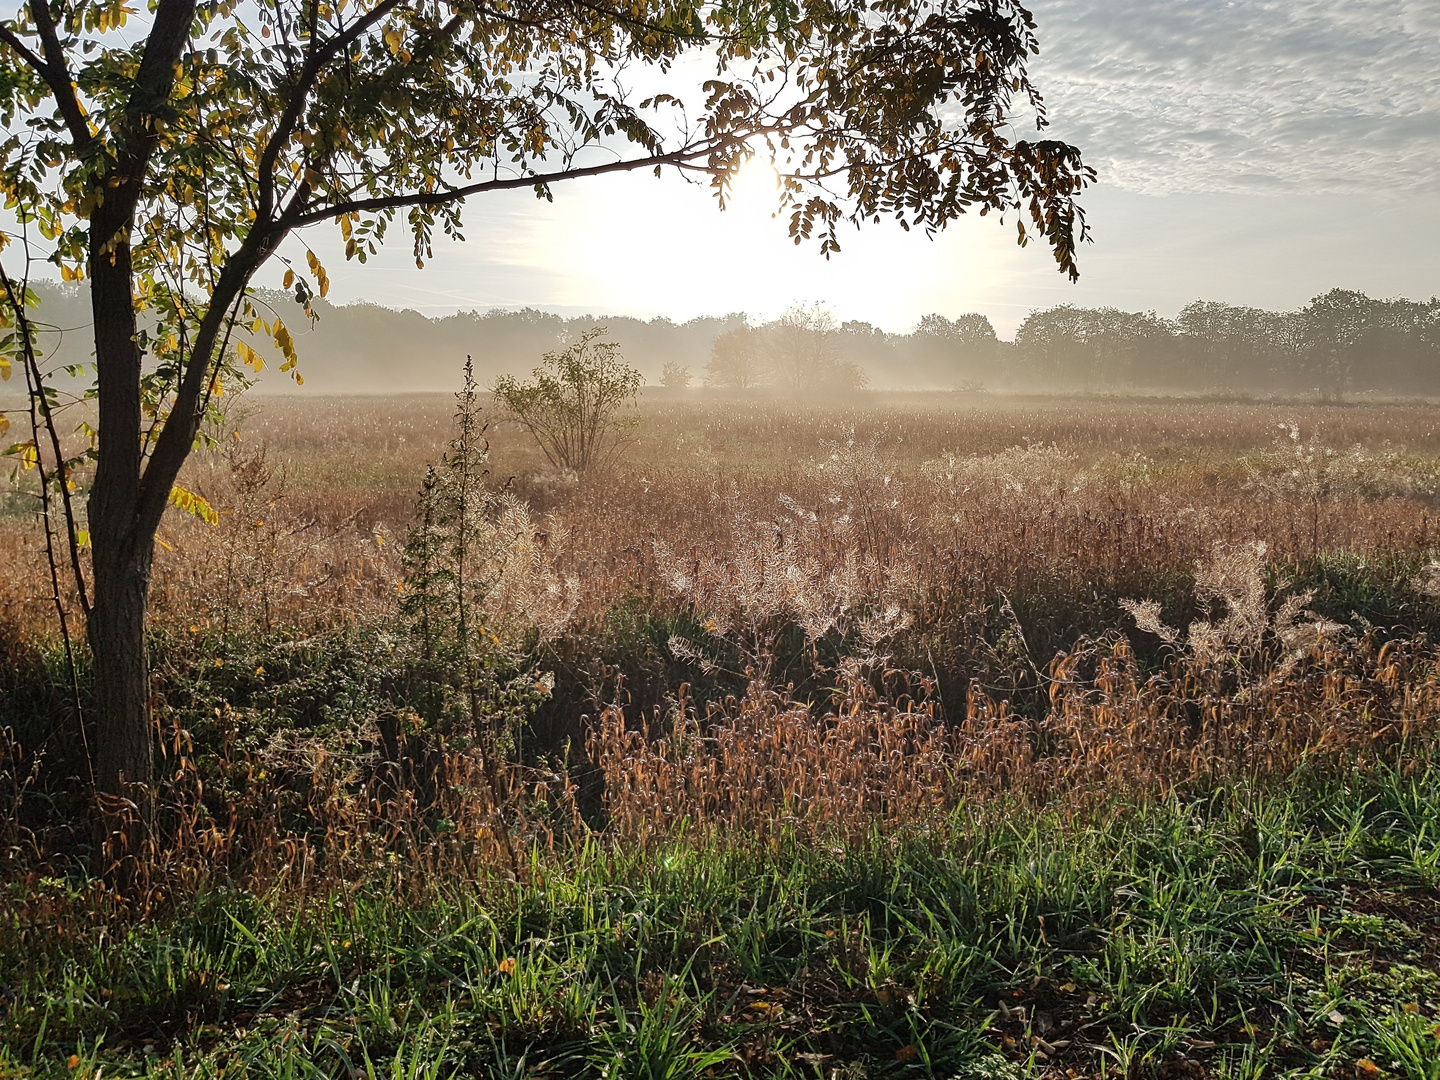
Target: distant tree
{"type": "Point", "coordinates": [575, 401]}
{"type": "Point", "coordinates": [805, 351]}
{"type": "Point", "coordinates": [972, 331]}
{"type": "Point", "coordinates": [1231, 347]}
{"type": "Point", "coordinates": [674, 376]}
{"type": "Point", "coordinates": [871, 349]}
{"type": "Point", "coordinates": [1052, 343]}
{"type": "Point", "coordinates": [802, 345]}
{"type": "Point", "coordinates": [1131, 348]}
{"type": "Point", "coordinates": [964, 348]}
{"type": "Point", "coordinates": [1338, 327]}
{"type": "Point", "coordinates": [168, 161]}
{"type": "Point", "coordinates": [1095, 347]}
{"type": "Point", "coordinates": [735, 361]}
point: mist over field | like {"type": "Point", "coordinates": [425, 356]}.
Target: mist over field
{"type": "Point", "coordinates": [1341, 343]}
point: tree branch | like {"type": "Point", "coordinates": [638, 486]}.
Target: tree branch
{"type": "Point", "coordinates": [685, 157]}
{"type": "Point", "coordinates": [16, 299]}
{"type": "Point", "coordinates": [178, 433]}
{"type": "Point", "coordinates": [168, 34]}
{"type": "Point", "coordinates": [62, 84]}
{"type": "Point", "coordinates": [25, 53]}
{"type": "Point", "coordinates": [314, 64]}
{"type": "Point", "coordinates": [54, 72]}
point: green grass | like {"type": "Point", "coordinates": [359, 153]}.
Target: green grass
{"type": "Point", "coordinates": [1293, 931]}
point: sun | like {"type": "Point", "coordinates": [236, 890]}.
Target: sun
{"type": "Point", "coordinates": [754, 186]}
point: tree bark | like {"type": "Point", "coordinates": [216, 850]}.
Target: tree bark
{"type": "Point", "coordinates": [122, 555]}
{"type": "Point", "coordinates": [124, 761]}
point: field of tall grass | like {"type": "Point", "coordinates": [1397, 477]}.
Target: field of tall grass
{"type": "Point", "coordinates": [954, 735]}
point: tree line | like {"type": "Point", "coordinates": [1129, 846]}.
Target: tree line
{"type": "Point", "coordinates": [1341, 342]}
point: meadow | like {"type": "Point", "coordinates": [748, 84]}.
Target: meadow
{"type": "Point", "coordinates": [957, 735]}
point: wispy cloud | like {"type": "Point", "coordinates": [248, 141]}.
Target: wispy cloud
{"type": "Point", "coordinates": [1303, 96]}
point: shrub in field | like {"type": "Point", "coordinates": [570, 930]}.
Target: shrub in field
{"type": "Point", "coordinates": [576, 401]}
{"type": "Point", "coordinates": [1230, 588]}
{"type": "Point", "coordinates": [797, 569]}
{"type": "Point", "coordinates": [674, 376]}
{"type": "Point", "coordinates": [477, 586]}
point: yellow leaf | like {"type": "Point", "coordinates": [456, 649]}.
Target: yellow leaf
{"type": "Point", "coordinates": [4, 423]}
{"type": "Point", "coordinates": [194, 504]}
{"type": "Point", "coordinates": [4, 369]}
{"type": "Point", "coordinates": [321, 278]}
{"type": "Point", "coordinates": [289, 279]}
{"type": "Point", "coordinates": [249, 357]}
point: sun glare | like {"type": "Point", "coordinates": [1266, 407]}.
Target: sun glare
{"type": "Point", "coordinates": [754, 187]}
{"type": "Point", "coordinates": [693, 259]}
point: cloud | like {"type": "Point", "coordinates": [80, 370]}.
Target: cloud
{"type": "Point", "coordinates": [1247, 96]}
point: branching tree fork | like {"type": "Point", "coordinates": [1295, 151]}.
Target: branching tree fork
{"type": "Point", "coordinates": [167, 162]}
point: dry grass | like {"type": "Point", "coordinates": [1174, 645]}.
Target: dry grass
{"type": "Point", "coordinates": [884, 610]}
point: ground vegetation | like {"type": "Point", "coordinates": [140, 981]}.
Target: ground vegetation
{"type": "Point", "coordinates": [1029, 737]}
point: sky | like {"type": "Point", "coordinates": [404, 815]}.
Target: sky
{"type": "Point", "coordinates": [1253, 151]}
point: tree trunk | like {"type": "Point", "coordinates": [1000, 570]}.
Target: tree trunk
{"type": "Point", "coordinates": [122, 556]}
{"type": "Point", "coordinates": [124, 511]}
{"type": "Point", "coordinates": [122, 686]}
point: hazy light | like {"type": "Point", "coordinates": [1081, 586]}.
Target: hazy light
{"type": "Point", "coordinates": [755, 187]}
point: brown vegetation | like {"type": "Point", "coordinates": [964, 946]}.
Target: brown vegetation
{"type": "Point", "coordinates": [875, 613]}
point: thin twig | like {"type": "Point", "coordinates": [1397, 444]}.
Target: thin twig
{"type": "Point", "coordinates": [39, 407]}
